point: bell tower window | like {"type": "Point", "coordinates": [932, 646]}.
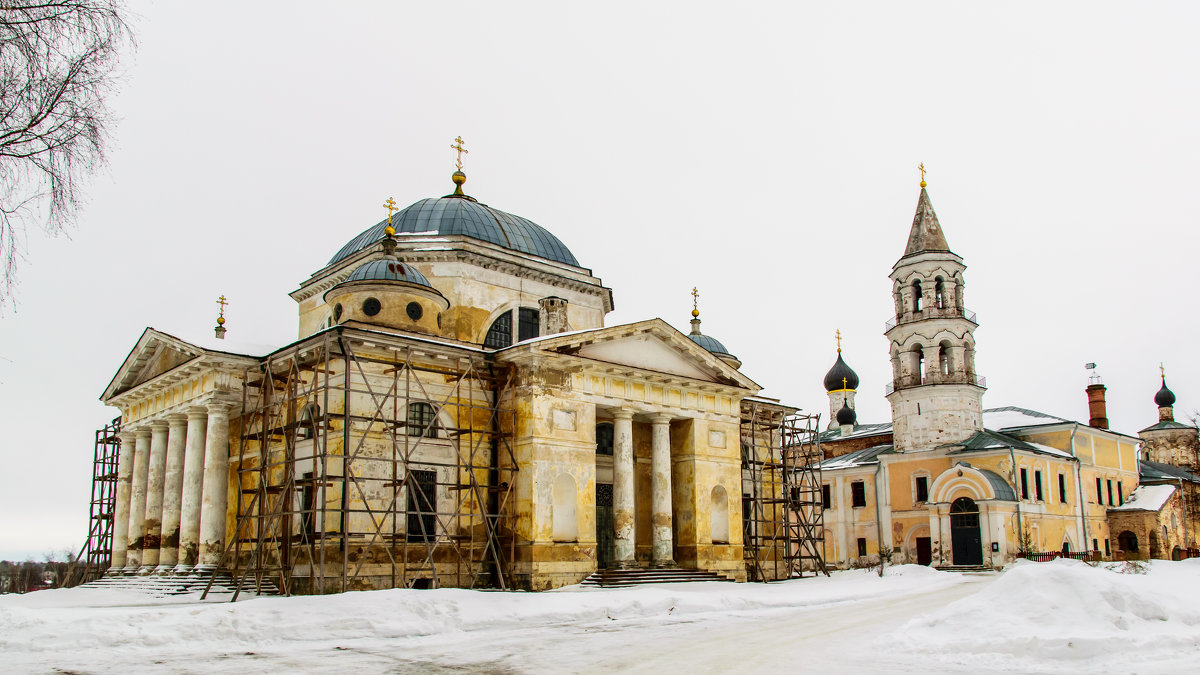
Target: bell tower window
{"type": "Point", "coordinates": [919, 376]}
{"type": "Point", "coordinates": [944, 360]}
{"type": "Point", "coordinates": [916, 288]}
{"type": "Point", "coordinates": [939, 294]}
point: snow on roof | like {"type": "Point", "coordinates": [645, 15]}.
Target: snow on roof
{"type": "Point", "coordinates": [1050, 451]}
{"type": "Point", "coordinates": [1146, 498]}
{"type": "Point", "coordinates": [1011, 417]}
{"type": "Point", "coordinates": [860, 430]}
{"type": "Point", "coordinates": [856, 458]}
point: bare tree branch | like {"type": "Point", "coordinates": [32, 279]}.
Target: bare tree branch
{"type": "Point", "coordinates": [57, 63]}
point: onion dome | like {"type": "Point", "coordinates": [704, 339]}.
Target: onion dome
{"type": "Point", "coordinates": [460, 215]}
{"type": "Point", "coordinates": [840, 376]}
{"type": "Point", "coordinates": [846, 415]}
{"type": "Point", "coordinates": [1165, 398]}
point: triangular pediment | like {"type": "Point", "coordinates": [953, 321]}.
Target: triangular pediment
{"type": "Point", "coordinates": [652, 345]}
{"type": "Point", "coordinates": [154, 354]}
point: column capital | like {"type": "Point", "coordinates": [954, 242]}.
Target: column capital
{"type": "Point", "coordinates": [661, 418]}
{"type": "Point", "coordinates": [197, 412]}
{"type": "Point", "coordinates": [177, 419]}
{"type": "Point", "coordinates": [126, 436]}
{"type": "Point", "coordinates": [219, 407]}
{"type": "Point", "coordinates": [143, 431]}
{"type": "Point", "coordinates": [623, 414]}
{"type": "Point", "coordinates": [158, 425]}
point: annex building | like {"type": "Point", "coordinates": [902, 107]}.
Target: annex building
{"type": "Point", "coordinates": [454, 412]}
{"type": "Point", "coordinates": [951, 483]}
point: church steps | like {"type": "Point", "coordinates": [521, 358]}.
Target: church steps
{"type": "Point", "coordinates": [165, 586]}
{"type": "Point", "coordinates": [636, 577]}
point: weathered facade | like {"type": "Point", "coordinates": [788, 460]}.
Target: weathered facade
{"type": "Point", "coordinates": [454, 412]}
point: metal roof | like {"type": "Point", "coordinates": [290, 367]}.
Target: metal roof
{"type": "Point", "coordinates": [857, 458]}
{"type": "Point", "coordinates": [1000, 486]}
{"type": "Point", "coordinates": [1167, 425]}
{"type": "Point", "coordinates": [710, 343]}
{"type": "Point", "coordinates": [466, 217]}
{"type": "Point", "coordinates": [388, 269]}
{"type": "Point", "coordinates": [1157, 471]}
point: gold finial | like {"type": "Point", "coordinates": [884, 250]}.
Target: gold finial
{"type": "Point", "coordinates": [922, 169]}
{"type": "Point", "coordinates": [390, 205]}
{"type": "Point", "coordinates": [458, 147]}
{"type": "Point", "coordinates": [1162, 371]}
{"type": "Point", "coordinates": [837, 334]}
{"type": "Point", "coordinates": [695, 302]}
{"type": "Point", "coordinates": [221, 317]}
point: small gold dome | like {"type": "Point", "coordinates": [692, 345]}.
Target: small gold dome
{"type": "Point", "coordinates": [696, 313]}
{"type": "Point", "coordinates": [459, 178]}
{"type": "Point", "coordinates": [389, 230]}
{"type": "Point", "coordinates": [220, 321]}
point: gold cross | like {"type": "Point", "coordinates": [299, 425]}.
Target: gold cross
{"type": "Point", "coordinates": [458, 146]}
{"type": "Point", "coordinates": [695, 298]}
{"type": "Point", "coordinates": [838, 335]}
{"type": "Point", "coordinates": [390, 205]}
{"type": "Point", "coordinates": [1162, 371]}
{"type": "Point", "coordinates": [922, 170]}
{"type": "Point", "coordinates": [845, 381]}
{"type": "Point", "coordinates": [222, 302]}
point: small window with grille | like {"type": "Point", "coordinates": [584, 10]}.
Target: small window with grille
{"type": "Point", "coordinates": [499, 335]}
{"type": "Point", "coordinates": [528, 325]}
{"type": "Point", "coordinates": [422, 420]}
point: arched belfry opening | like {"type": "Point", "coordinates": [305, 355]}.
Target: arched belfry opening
{"type": "Point", "coordinates": [917, 299]}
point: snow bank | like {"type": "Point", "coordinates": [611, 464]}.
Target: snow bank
{"type": "Point", "coordinates": [1068, 610]}
{"type": "Point", "coordinates": [100, 619]}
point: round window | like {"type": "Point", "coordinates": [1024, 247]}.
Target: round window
{"type": "Point", "coordinates": [337, 312]}
{"type": "Point", "coordinates": [414, 311]}
{"type": "Point", "coordinates": [371, 306]}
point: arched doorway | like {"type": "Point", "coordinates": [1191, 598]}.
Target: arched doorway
{"type": "Point", "coordinates": [964, 532]}
{"type": "Point", "coordinates": [1127, 542]}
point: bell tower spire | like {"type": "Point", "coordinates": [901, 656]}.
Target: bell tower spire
{"type": "Point", "coordinates": [936, 395]}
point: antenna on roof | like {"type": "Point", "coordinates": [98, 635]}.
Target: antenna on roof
{"type": "Point", "coordinates": [1093, 378]}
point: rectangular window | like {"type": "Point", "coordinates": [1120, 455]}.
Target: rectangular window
{"type": "Point", "coordinates": [826, 497]}
{"type": "Point", "coordinates": [422, 502]}
{"type": "Point", "coordinates": [858, 493]}
{"type": "Point", "coordinates": [422, 421]}
{"type": "Point", "coordinates": [862, 546]}
{"type": "Point", "coordinates": [1037, 485]}
{"type": "Point", "coordinates": [1024, 484]}
{"type": "Point", "coordinates": [1110, 501]}
{"type": "Point", "coordinates": [1062, 488]}
{"type": "Point", "coordinates": [1096, 545]}
{"type": "Point", "coordinates": [922, 489]}
{"type": "Point", "coordinates": [527, 324]}
{"type": "Point", "coordinates": [1107, 550]}
{"type": "Point", "coordinates": [747, 517]}
{"type": "Point", "coordinates": [1100, 492]}
{"type": "Point", "coordinates": [1120, 494]}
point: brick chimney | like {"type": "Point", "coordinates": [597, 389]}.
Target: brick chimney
{"type": "Point", "coordinates": [552, 315]}
{"type": "Point", "coordinates": [1096, 409]}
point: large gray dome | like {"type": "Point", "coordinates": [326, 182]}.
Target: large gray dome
{"type": "Point", "coordinates": [455, 215]}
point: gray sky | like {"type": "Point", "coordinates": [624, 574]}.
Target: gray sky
{"type": "Point", "coordinates": [767, 155]}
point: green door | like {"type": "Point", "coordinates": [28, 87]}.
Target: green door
{"type": "Point", "coordinates": [604, 525]}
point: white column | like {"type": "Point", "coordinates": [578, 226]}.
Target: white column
{"type": "Point", "coordinates": [216, 486]}
{"type": "Point", "coordinates": [152, 523]}
{"type": "Point", "coordinates": [137, 501]}
{"type": "Point", "coordinates": [168, 552]}
{"type": "Point", "coordinates": [120, 538]}
{"type": "Point", "coordinates": [623, 489]}
{"type": "Point", "coordinates": [663, 550]}
{"type": "Point", "coordinates": [191, 497]}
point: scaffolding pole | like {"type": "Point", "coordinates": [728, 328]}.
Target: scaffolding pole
{"type": "Point", "coordinates": [366, 460]}
{"type": "Point", "coordinates": [95, 556]}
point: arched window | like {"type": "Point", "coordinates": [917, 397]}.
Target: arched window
{"type": "Point", "coordinates": [944, 359]}
{"type": "Point", "coordinates": [499, 335]}
{"type": "Point", "coordinates": [939, 294]}
{"type": "Point", "coordinates": [604, 438]}
{"type": "Point", "coordinates": [916, 287]}
{"type": "Point", "coordinates": [422, 420]}
{"type": "Point", "coordinates": [919, 361]}
{"type": "Point", "coordinates": [566, 526]}
{"type": "Point", "coordinates": [1127, 541]}
{"type": "Point", "coordinates": [720, 516]}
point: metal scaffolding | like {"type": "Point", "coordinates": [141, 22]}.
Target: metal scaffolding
{"type": "Point", "coordinates": [369, 460]}
{"type": "Point", "coordinates": [95, 556]}
{"type": "Point", "coordinates": [782, 515]}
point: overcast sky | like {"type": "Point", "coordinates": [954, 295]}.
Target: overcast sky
{"type": "Point", "coordinates": [766, 154]}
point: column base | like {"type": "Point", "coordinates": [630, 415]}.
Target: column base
{"type": "Point", "coordinates": [164, 570]}
{"type": "Point", "coordinates": [204, 570]}
{"type": "Point", "coordinates": [624, 565]}
{"type": "Point", "coordinates": [664, 564]}
{"type": "Point", "coordinates": [182, 570]}
{"type": "Point", "coordinates": [146, 570]}
{"type": "Point", "coordinates": [129, 570]}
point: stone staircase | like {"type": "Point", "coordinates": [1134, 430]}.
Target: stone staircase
{"type": "Point", "coordinates": [223, 585]}
{"type": "Point", "coordinates": [612, 578]}
{"type": "Point", "coordinates": [965, 568]}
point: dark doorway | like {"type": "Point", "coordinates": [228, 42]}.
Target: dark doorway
{"type": "Point", "coordinates": [1127, 541]}
{"type": "Point", "coordinates": [924, 551]}
{"type": "Point", "coordinates": [604, 525]}
{"type": "Point", "coordinates": [964, 532]}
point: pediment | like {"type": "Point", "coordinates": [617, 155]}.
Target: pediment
{"type": "Point", "coordinates": [652, 345]}
{"type": "Point", "coordinates": [154, 354]}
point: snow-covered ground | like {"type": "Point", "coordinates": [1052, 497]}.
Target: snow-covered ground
{"type": "Point", "coordinates": [1035, 617]}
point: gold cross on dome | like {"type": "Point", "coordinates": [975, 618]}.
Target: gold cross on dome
{"type": "Point", "coordinates": [458, 147]}
{"type": "Point", "coordinates": [845, 381]}
{"type": "Point", "coordinates": [837, 334]}
{"type": "Point", "coordinates": [222, 302]}
{"type": "Point", "coordinates": [390, 205]}
{"type": "Point", "coordinates": [695, 298]}
{"type": "Point", "coordinates": [921, 168]}
{"type": "Point", "coordinates": [1161, 370]}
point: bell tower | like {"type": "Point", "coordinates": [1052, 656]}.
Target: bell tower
{"type": "Point", "coordinates": [936, 395]}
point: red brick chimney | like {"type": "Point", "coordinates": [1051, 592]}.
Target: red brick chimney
{"type": "Point", "coordinates": [1096, 410]}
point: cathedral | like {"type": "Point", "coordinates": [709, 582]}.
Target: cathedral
{"type": "Point", "coordinates": [953, 484]}
{"type": "Point", "coordinates": [454, 412]}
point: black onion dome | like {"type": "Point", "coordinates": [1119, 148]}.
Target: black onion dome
{"type": "Point", "coordinates": [1165, 397]}
{"type": "Point", "coordinates": [833, 379]}
{"type": "Point", "coordinates": [846, 415]}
